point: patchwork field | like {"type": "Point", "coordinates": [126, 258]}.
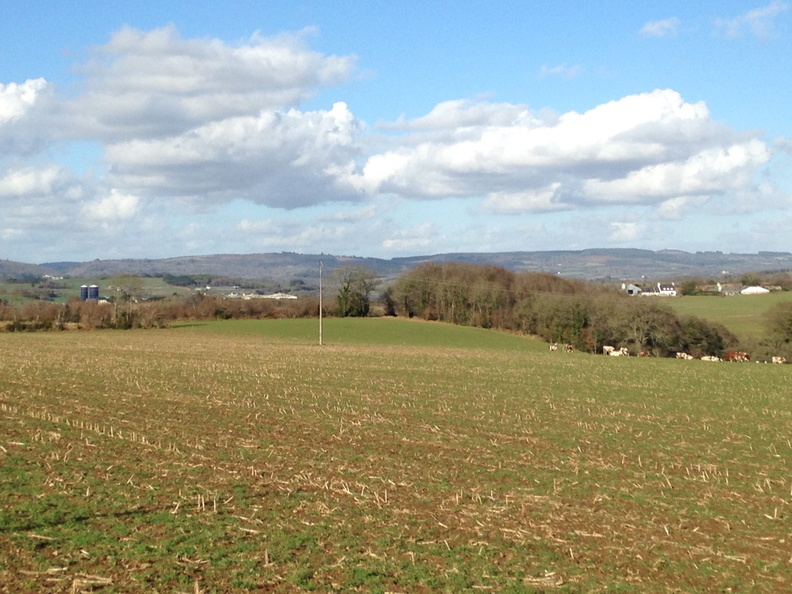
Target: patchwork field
{"type": "Point", "coordinates": [400, 456]}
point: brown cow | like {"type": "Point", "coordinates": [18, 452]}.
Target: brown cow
{"type": "Point", "coordinates": [737, 357]}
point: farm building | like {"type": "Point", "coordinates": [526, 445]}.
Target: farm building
{"type": "Point", "coordinates": [660, 289]}
{"type": "Point", "coordinates": [632, 289]}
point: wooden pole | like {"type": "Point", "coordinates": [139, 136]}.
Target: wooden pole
{"type": "Point", "coordinates": [320, 303]}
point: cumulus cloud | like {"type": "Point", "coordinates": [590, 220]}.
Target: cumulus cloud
{"type": "Point", "coordinates": [759, 22]}
{"type": "Point", "coordinates": [661, 28]}
{"type": "Point", "coordinates": [18, 184]}
{"type": "Point", "coordinates": [17, 98]}
{"type": "Point", "coordinates": [642, 149]}
{"type": "Point", "coordinates": [287, 159]}
{"type": "Point", "coordinates": [153, 84]}
{"type": "Point", "coordinates": [115, 206]}
{"type": "Point", "coordinates": [187, 125]}
{"type": "Point", "coordinates": [38, 202]}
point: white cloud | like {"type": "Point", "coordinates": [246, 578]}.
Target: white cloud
{"type": "Point", "coordinates": [641, 149]}
{"type": "Point", "coordinates": [16, 99]}
{"type": "Point", "coordinates": [17, 184]}
{"type": "Point", "coordinates": [675, 209]}
{"type": "Point", "coordinates": [116, 206]}
{"type": "Point", "coordinates": [189, 126]}
{"type": "Point", "coordinates": [626, 231]}
{"type": "Point", "coordinates": [39, 203]}
{"type": "Point", "coordinates": [411, 238]}
{"type": "Point", "coordinates": [707, 172]}
{"type": "Point", "coordinates": [287, 159]}
{"type": "Point", "coordinates": [154, 84]}
{"type": "Point", "coordinates": [759, 22]}
{"type": "Point", "coordinates": [542, 199]}
{"type": "Point", "coordinates": [292, 234]}
{"type": "Point", "coordinates": [661, 28]}
{"type": "Point", "coordinates": [561, 70]}
{"type": "Point", "coordinates": [460, 114]}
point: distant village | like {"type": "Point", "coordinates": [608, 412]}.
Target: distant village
{"type": "Point", "coordinates": [670, 289]}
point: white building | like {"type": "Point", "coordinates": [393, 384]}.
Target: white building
{"type": "Point", "coordinates": [754, 291]}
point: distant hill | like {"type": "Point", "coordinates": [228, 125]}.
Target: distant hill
{"type": "Point", "coordinates": [20, 270]}
{"type": "Point", "coordinates": [612, 265]}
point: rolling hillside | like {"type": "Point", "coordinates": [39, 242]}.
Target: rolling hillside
{"type": "Point", "coordinates": [592, 264]}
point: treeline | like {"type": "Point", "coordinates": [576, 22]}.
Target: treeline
{"type": "Point", "coordinates": [94, 315]}
{"type": "Point", "coordinates": [202, 280]}
{"type": "Point", "coordinates": [557, 309]}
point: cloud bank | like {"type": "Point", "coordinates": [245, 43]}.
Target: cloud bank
{"type": "Point", "coordinates": [184, 126]}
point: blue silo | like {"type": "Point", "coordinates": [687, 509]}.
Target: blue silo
{"type": "Point", "coordinates": [93, 292]}
{"type": "Point", "coordinates": [84, 292]}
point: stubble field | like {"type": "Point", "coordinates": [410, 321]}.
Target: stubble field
{"type": "Point", "coordinates": [256, 460]}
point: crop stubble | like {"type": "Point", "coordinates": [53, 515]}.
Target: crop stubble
{"type": "Point", "coordinates": [189, 461]}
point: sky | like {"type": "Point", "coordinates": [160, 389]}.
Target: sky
{"type": "Point", "coordinates": [382, 129]}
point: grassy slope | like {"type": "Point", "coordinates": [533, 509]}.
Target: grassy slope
{"type": "Point", "coordinates": [401, 456]}
{"type": "Point", "coordinates": [373, 331]}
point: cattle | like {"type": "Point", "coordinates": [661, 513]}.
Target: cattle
{"type": "Point", "coordinates": [643, 354]}
{"type": "Point", "coordinates": [553, 347]}
{"type": "Point", "coordinates": [779, 360]}
{"type": "Point", "coordinates": [685, 356]}
{"type": "Point", "coordinates": [622, 352]}
{"type": "Point", "coordinates": [737, 357]}
{"type": "Point", "coordinates": [607, 350]}
{"type": "Point", "coordinates": [710, 358]}
{"type": "Point", "coordinates": [569, 348]}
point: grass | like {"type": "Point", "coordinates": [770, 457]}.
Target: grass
{"type": "Point", "coordinates": [383, 331]}
{"type": "Point", "coordinates": [237, 457]}
{"type": "Point", "coordinates": [742, 314]}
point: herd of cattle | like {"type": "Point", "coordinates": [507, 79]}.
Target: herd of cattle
{"type": "Point", "coordinates": [734, 356]}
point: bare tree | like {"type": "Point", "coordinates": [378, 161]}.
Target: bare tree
{"type": "Point", "coordinates": [355, 285]}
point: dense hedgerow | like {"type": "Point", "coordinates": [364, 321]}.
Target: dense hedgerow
{"type": "Point", "coordinates": [153, 314]}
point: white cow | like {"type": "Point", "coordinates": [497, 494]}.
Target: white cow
{"type": "Point", "coordinates": [685, 356]}
{"type": "Point", "coordinates": [710, 358]}
{"type": "Point", "coordinates": [622, 352]}
{"type": "Point", "coordinates": [607, 350]}
{"type": "Point", "coordinates": [779, 360]}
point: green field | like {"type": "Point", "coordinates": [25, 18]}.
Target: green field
{"type": "Point", "coordinates": [400, 456]}
{"type": "Point", "coordinates": [742, 314]}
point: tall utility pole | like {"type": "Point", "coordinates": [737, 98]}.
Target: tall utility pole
{"type": "Point", "coordinates": [320, 302]}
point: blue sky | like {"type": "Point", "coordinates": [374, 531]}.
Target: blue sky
{"type": "Point", "coordinates": [386, 129]}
